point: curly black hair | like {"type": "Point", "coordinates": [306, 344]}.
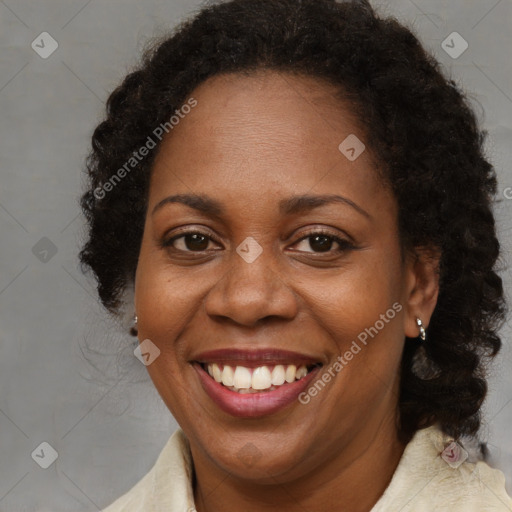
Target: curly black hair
{"type": "Point", "coordinates": [418, 122]}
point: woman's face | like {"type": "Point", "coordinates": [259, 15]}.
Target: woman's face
{"type": "Point", "coordinates": [266, 285]}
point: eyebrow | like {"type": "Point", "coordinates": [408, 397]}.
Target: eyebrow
{"type": "Point", "coordinates": [292, 205]}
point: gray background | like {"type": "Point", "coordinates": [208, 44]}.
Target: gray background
{"type": "Point", "coordinates": [107, 423]}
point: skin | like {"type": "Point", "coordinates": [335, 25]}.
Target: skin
{"type": "Point", "coordinates": [250, 142]}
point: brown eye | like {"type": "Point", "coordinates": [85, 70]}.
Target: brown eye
{"type": "Point", "coordinates": [322, 242]}
{"type": "Point", "coordinates": [190, 241]}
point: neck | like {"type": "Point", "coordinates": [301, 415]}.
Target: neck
{"type": "Point", "coordinates": [354, 477]}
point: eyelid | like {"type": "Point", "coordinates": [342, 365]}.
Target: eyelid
{"type": "Point", "coordinates": [191, 228]}
{"type": "Point", "coordinates": [344, 240]}
{"type": "Point", "coordinates": [166, 240]}
{"type": "Point", "coordinates": [343, 243]}
{"type": "Point", "coordinates": [320, 230]}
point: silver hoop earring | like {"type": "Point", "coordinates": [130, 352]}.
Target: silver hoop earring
{"type": "Point", "coordinates": [423, 334]}
{"type": "Point", "coordinates": [133, 329]}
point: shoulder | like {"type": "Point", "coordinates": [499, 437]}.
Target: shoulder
{"type": "Point", "coordinates": [168, 483]}
{"type": "Point", "coordinates": [435, 473]}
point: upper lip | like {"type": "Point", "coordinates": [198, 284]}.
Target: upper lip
{"type": "Point", "coordinates": [254, 358]}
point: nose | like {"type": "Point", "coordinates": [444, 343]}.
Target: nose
{"type": "Point", "coordinates": [249, 292]}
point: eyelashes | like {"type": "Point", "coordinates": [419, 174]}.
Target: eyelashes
{"type": "Point", "coordinates": [343, 244]}
{"type": "Point", "coordinates": [201, 241]}
{"type": "Point", "coordinates": [169, 243]}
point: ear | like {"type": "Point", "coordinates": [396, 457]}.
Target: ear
{"type": "Point", "coordinates": [421, 289]}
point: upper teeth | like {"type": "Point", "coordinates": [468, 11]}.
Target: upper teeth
{"type": "Point", "coordinates": [258, 378]}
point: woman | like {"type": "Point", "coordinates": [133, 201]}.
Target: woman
{"type": "Point", "coordinates": [300, 199]}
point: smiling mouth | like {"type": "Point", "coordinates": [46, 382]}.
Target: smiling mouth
{"type": "Point", "coordinates": [260, 379]}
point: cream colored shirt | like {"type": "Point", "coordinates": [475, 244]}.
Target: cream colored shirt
{"type": "Point", "coordinates": [428, 478]}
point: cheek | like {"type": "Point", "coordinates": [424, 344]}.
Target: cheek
{"type": "Point", "coordinates": [354, 298]}
{"type": "Point", "coordinates": [164, 304]}
{"type": "Point", "coordinates": [164, 297]}
{"type": "Point", "coordinates": [361, 310]}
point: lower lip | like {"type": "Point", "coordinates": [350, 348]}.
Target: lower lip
{"type": "Point", "coordinates": [253, 405]}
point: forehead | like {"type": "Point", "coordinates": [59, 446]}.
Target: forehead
{"type": "Point", "coordinates": [270, 109]}
{"type": "Point", "coordinates": [267, 131]}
